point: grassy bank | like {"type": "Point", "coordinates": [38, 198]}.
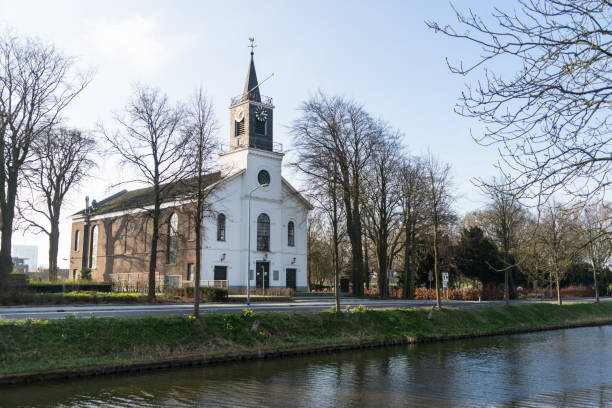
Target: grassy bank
{"type": "Point", "coordinates": [34, 346]}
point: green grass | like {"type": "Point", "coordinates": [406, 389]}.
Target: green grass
{"type": "Point", "coordinates": [34, 345]}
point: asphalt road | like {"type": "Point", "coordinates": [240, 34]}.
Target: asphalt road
{"type": "Point", "coordinates": [298, 304]}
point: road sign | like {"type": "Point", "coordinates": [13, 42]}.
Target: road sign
{"type": "Point", "coordinates": [430, 276]}
{"type": "Point", "coordinates": [444, 276]}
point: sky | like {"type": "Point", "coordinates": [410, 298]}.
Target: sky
{"type": "Point", "coordinates": [379, 53]}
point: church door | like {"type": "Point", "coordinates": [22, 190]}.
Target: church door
{"type": "Point", "coordinates": [290, 281]}
{"type": "Point", "coordinates": [220, 272]}
{"type": "Point", "coordinates": [263, 274]}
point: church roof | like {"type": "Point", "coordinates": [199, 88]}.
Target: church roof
{"type": "Point", "coordinates": [143, 197]}
{"type": "Point", "coordinates": [251, 88]}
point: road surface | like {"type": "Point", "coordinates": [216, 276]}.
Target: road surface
{"type": "Point", "coordinates": [298, 304]}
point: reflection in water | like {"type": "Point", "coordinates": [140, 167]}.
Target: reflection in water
{"type": "Point", "coordinates": [565, 368]}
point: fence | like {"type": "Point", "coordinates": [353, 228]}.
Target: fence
{"type": "Point", "coordinates": [223, 284]}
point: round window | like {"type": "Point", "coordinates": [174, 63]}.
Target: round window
{"type": "Point", "coordinates": [263, 177]}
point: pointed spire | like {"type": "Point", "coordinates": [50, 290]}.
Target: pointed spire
{"type": "Point", "coordinates": [251, 88]}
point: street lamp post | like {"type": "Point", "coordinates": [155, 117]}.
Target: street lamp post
{"type": "Point", "coordinates": [248, 275]}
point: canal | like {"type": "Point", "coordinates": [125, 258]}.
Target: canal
{"type": "Point", "coordinates": [556, 368]}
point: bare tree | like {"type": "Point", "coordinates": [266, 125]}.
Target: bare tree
{"type": "Point", "coordinates": [505, 218]}
{"type": "Point", "coordinates": [414, 215]}
{"type": "Point", "coordinates": [557, 235]}
{"type": "Point", "coordinates": [381, 200]}
{"type": "Point", "coordinates": [439, 199]}
{"type": "Point", "coordinates": [334, 212]}
{"type": "Point", "coordinates": [152, 141]}
{"type": "Point", "coordinates": [320, 249]}
{"type": "Point", "coordinates": [325, 191]}
{"type": "Point", "coordinates": [61, 159]}
{"type": "Point", "coordinates": [342, 132]}
{"type": "Point", "coordinates": [36, 85]}
{"type": "Point", "coordinates": [595, 227]}
{"type": "Point", "coordinates": [551, 117]}
{"type": "Point", "coordinates": [202, 145]}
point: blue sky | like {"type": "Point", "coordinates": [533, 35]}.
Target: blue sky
{"type": "Point", "coordinates": [378, 52]}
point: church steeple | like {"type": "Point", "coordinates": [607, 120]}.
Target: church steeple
{"type": "Point", "coordinates": [251, 114]}
{"type": "Point", "coordinates": [251, 86]}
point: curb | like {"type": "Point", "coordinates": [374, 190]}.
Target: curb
{"type": "Point", "coordinates": [198, 360]}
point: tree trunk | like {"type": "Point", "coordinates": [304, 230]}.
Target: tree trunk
{"type": "Point", "coordinates": [53, 248]}
{"type": "Point", "coordinates": [383, 279]}
{"type": "Point", "coordinates": [336, 263]}
{"type": "Point", "coordinates": [199, 217]}
{"type": "Point", "coordinates": [6, 263]}
{"type": "Point", "coordinates": [595, 284]}
{"type": "Point", "coordinates": [558, 283]}
{"type": "Point", "coordinates": [506, 286]}
{"type": "Point", "coordinates": [357, 251]}
{"type": "Point", "coordinates": [406, 276]}
{"type": "Point", "coordinates": [334, 197]}
{"type": "Point", "coordinates": [408, 264]}
{"type": "Point", "coordinates": [8, 214]}
{"type": "Point", "coordinates": [198, 267]}
{"type": "Point", "coordinates": [153, 256]}
{"type": "Point", "coordinates": [435, 251]}
{"type": "Point", "coordinates": [367, 265]}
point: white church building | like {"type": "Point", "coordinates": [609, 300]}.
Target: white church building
{"type": "Point", "coordinates": [255, 227]}
{"type": "Point", "coordinates": [264, 217]}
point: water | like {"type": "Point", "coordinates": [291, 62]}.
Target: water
{"type": "Point", "coordinates": [565, 368]}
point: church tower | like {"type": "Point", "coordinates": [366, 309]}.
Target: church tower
{"type": "Point", "coordinates": [251, 116]}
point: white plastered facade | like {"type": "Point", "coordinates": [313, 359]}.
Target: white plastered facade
{"type": "Point", "coordinates": [279, 200]}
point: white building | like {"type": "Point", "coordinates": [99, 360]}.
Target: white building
{"type": "Point", "coordinates": [29, 253]}
{"type": "Point", "coordinates": [255, 201]}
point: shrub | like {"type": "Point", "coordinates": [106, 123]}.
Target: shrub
{"type": "Point", "coordinates": [70, 297]}
{"type": "Point", "coordinates": [17, 282]}
{"type": "Point", "coordinates": [577, 291]}
{"type": "Point", "coordinates": [356, 309]}
{"type": "Point", "coordinates": [69, 286]}
{"type": "Point", "coordinates": [86, 274]}
{"type": "Point", "coordinates": [460, 293]}
{"type": "Point", "coordinates": [288, 292]}
{"type": "Point", "coordinates": [207, 293]}
{"type": "Point", "coordinates": [214, 294]}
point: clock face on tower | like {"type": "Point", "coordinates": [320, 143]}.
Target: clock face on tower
{"type": "Point", "coordinates": [263, 177]}
{"type": "Point", "coordinates": [261, 114]}
{"type": "Point", "coordinates": [239, 114]}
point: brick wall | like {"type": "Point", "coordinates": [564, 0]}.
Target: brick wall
{"type": "Point", "coordinates": [124, 246]}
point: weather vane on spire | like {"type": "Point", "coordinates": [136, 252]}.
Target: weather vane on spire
{"type": "Point", "coordinates": [252, 46]}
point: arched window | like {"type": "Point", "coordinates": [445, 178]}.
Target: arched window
{"type": "Point", "coordinates": [221, 227]}
{"type": "Point", "coordinates": [263, 232]}
{"type": "Point", "coordinates": [148, 233]}
{"type": "Point", "coordinates": [291, 234]}
{"type": "Point", "coordinates": [172, 247]}
{"type": "Point", "coordinates": [93, 248]}
{"type": "Point", "coordinates": [76, 240]}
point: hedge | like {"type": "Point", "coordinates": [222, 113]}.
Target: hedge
{"type": "Point", "coordinates": [208, 293]}
{"type": "Point", "coordinates": [62, 287]}
{"type": "Point", "coordinates": [17, 282]}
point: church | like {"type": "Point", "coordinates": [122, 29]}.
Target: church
{"type": "Point", "coordinates": [255, 227]}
